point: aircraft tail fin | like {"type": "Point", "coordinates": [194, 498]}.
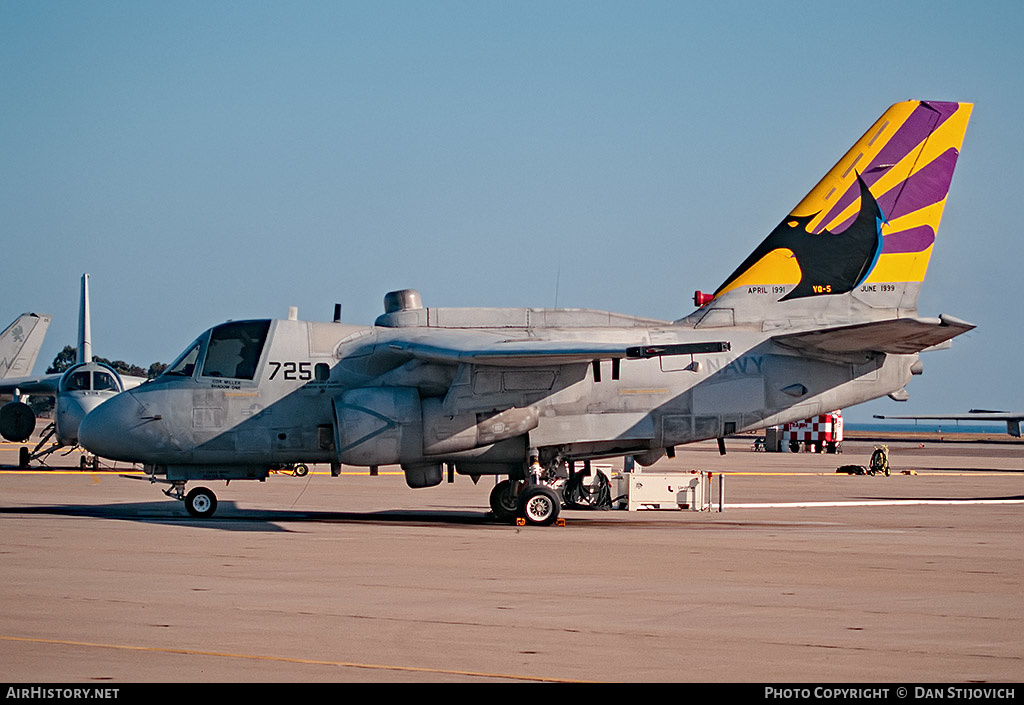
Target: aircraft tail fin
{"type": "Point", "coordinates": [84, 324]}
{"type": "Point", "coordinates": [862, 237]}
{"type": "Point", "coordinates": [20, 344]}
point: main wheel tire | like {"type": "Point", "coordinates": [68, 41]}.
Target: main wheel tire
{"type": "Point", "coordinates": [201, 503]}
{"type": "Point", "coordinates": [539, 505]}
{"type": "Point", "coordinates": [503, 503]}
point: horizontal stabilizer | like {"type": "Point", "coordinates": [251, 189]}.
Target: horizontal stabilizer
{"type": "Point", "coordinates": [897, 336]}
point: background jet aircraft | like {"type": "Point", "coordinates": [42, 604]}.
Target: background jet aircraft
{"type": "Point", "coordinates": [1012, 419]}
{"type": "Point", "coordinates": [821, 316]}
{"type": "Point", "coordinates": [78, 390]}
{"type": "Point", "coordinates": [20, 344]}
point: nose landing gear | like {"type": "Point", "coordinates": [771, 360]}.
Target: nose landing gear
{"type": "Point", "coordinates": [200, 502]}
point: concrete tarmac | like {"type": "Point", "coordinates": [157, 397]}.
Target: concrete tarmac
{"type": "Point", "coordinates": [806, 576]}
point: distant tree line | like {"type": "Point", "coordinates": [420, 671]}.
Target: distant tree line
{"type": "Point", "coordinates": [68, 356]}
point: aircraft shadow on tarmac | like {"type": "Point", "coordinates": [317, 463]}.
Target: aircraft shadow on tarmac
{"type": "Point", "coordinates": [230, 518]}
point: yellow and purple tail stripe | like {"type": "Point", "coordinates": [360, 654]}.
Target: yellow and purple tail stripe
{"type": "Point", "coordinates": [874, 216]}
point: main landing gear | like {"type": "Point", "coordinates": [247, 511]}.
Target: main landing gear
{"type": "Point", "coordinates": [536, 504]}
{"type": "Point", "coordinates": [532, 500]}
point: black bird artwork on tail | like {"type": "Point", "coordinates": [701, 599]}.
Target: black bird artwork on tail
{"type": "Point", "coordinates": [830, 263]}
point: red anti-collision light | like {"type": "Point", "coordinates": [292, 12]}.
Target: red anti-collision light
{"type": "Point", "coordinates": [700, 298]}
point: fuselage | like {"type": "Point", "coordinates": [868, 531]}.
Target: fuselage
{"type": "Point", "coordinates": [267, 393]}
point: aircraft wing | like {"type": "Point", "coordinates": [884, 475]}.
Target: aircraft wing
{"type": "Point", "coordinates": [455, 348]}
{"type": "Point", "coordinates": [47, 384]}
{"type": "Point", "coordinates": [131, 382]}
{"type": "Point", "coordinates": [898, 336]}
{"type": "Point", "coordinates": [40, 384]}
{"type": "Point", "coordinates": [1011, 418]}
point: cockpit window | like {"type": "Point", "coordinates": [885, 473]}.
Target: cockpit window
{"type": "Point", "coordinates": [102, 382]}
{"type": "Point", "coordinates": [95, 377]}
{"type": "Point", "coordinates": [234, 349]}
{"type": "Point", "coordinates": [79, 381]}
{"type": "Point", "coordinates": [185, 365]}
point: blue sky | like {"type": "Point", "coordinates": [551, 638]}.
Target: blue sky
{"type": "Point", "coordinates": [206, 161]}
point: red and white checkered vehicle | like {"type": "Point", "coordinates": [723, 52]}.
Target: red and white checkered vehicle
{"type": "Point", "coordinates": [823, 433]}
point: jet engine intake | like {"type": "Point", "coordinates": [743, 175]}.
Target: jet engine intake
{"type": "Point", "coordinates": [17, 421]}
{"type": "Point", "coordinates": [378, 426]}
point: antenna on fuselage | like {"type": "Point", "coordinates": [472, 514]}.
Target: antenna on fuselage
{"type": "Point", "coordinates": [84, 326]}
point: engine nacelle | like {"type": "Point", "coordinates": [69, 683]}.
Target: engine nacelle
{"type": "Point", "coordinates": [17, 421]}
{"type": "Point", "coordinates": [378, 426]}
{"type": "Point", "coordinates": [391, 425]}
{"type": "Point", "coordinates": [451, 434]}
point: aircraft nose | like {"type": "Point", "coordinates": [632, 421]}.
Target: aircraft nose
{"type": "Point", "coordinates": [110, 430]}
{"type": "Point", "coordinates": [71, 410]}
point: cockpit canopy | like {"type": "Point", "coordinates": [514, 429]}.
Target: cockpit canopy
{"type": "Point", "coordinates": [230, 350]}
{"type": "Point", "coordinates": [90, 377]}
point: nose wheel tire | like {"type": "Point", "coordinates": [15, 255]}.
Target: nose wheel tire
{"type": "Point", "coordinates": [539, 505]}
{"type": "Point", "coordinates": [201, 503]}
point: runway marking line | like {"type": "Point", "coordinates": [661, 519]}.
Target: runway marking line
{"type": "Point", "coordinates": [284, 659]}
{"type": "Point", "coordinates": [872, 503]}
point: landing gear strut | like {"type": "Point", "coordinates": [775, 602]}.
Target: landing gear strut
{"type": "Point", "coordinates": [42, 451]}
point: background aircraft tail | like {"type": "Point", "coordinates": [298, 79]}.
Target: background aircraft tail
{"type": "Point", "coordinates": [862, 238]}
{"type": "Point", "coordinates": [84, 324]}
{"type": "Point", "coordinates": [20, 344]}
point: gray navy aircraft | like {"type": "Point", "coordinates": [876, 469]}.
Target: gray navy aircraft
{"type": "Point", "coordinates": [822, 315]}
{"type": "Point", "coordinates": [78, 390]}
